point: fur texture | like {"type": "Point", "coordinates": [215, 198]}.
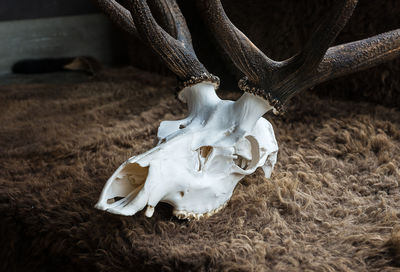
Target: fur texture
{"type": "Point", "coordinates": [332, 203]}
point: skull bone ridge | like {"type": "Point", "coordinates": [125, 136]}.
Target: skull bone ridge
{"type": "Point", "coordinates": [199, 160]}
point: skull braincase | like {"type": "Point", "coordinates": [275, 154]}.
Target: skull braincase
{"type": "Point", "coordinates": [196, 165]}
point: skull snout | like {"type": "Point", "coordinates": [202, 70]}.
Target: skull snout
{"type": "Point", "coordinates": [124, 192]}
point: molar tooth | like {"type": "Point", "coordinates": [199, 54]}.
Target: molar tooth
{"type": "Point", "coordinates": [198, 216]}
{"type": "Point", "coordinates": [184, 215]}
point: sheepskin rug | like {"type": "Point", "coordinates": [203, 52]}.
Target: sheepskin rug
{"type": "Point", "coordinates": [332, 203]}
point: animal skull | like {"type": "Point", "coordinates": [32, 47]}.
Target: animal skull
{"type": "Point", "coordinates": [198, 160]}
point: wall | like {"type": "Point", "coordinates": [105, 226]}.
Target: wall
{"type": "Point", "coordinates": [43, 29]}
{"type": "Point", "coordinates": [31, 9]}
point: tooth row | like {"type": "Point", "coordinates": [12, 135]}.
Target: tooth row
{"type": "Point", "coordinates": [197, 216]}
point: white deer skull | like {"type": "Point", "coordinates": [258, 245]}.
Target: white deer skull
{"type": "Point", "coordinates": [198, 161]}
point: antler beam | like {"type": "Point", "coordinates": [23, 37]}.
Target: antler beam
{"type": "Point", "coordinates": [356, 56]}
{"type": "Point", "coordinates": [276, 81]}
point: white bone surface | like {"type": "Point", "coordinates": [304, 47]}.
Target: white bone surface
{"type": "Point", "coordinates": [199, 160]}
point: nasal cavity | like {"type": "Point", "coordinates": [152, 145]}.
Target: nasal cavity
{"type": "Point", "coordinates": [129, 181]}
{"type": "Point", "coordinates": [205, 151]}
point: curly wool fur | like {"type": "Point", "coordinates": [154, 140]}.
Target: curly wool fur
{"type": "Point", "coordinates": [332, 203]}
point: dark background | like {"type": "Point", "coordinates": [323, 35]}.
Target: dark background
{"type": "Point", "coordinates": [279, 28]}
{"type": "Point", "coordinates": [28, 9]}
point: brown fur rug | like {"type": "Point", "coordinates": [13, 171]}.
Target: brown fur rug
{"type": "Point", "coordinates": [332, 204]}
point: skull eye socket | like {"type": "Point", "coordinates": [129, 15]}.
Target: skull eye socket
{"type": "Point", "coordinates": [204, 153]}
{"type": "Point", "coordinates": [247, 153]}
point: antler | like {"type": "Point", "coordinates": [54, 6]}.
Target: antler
{"type": "Point", "coordinates": [278, 81]}
{"type": "Point", "coordinates": [174, 46]}
{"type": "Point", "coordinates": [178, 53]}
{"type": "Point", "coordinates": [118, 14]}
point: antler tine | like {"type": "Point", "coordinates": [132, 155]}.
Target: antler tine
{"type": "Point", "coordinates": [169, 14]}
{"type": "Point", "coordinates": [356, 56]}
{"type": "Point", "coordinates": [177, 54]}
{"type": "Point", "coordinates": [297, 69]}
{"type": "Point", "coordinates": [245, 55]}
{"type": "Point", "coordinates": [324, 35]}
{"type": "Point", "coordinates": [119, 15]}
{"type": "Point", "coordinates": [318, 63]}
{"type": "Point", "coordinates": [173, 19]}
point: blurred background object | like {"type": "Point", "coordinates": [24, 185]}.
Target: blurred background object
{"type": "Point", "coordinates": [42, 36]}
